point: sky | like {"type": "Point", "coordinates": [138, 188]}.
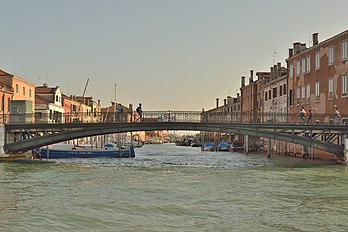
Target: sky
{"type": "Point", "coordinates": [166, 54]}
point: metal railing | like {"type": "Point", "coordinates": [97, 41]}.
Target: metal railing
{"type": "Point", "coordinates": [173, 116]}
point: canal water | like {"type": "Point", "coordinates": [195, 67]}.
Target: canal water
{"type": "Point", "coordinates": [171, 188]}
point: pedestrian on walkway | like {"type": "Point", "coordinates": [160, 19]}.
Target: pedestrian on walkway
{"type": "Point", "coordinates": [140, 111]}
{"type": "Point", "coordinates": [310, 116]}
{"type": "Point", "coordinates": [337, 116]}
{"type": "Point", "coordinates": [303, 114]}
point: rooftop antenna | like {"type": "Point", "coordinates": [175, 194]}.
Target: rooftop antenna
{"type": "Point", "coordinates": [115, 93]}
{"type": "Point", "coordinates": [274, 57]}
{"type": "Point", "coordinates": [229, 90]}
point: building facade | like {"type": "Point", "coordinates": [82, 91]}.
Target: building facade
{"type": "Point", "coordinates": [318, 76]}
{"type": "Point", "coordinates": [251, 99]}
{"type": "Point", "coordinates": [6, 94]}
{"type": "Point", "coordinates": [48, 104]}
{"type": "Point", "coordinates": [274, 101]}
{"type": "Point", "coordinates": [23, 92]}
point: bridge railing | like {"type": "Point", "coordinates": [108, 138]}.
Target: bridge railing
{"type": "Point", "coordinates": [173, 116]}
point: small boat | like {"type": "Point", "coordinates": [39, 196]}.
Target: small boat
{"type": "Point", "coordinates": [71, 151]}
{"type": "Point", "coordinates": [224, 146]}
{"type": "Point", "coordinates": [208, 146]}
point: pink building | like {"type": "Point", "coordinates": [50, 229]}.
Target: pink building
{"type": "Point", "coordinates": [318, 75]}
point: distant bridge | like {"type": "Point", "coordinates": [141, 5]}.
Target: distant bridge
{"type": "Point", "coordinates": [29, 132]}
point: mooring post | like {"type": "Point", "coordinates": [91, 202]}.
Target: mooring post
{"type": "Point", "coordinates": [346, 150]}
{"type": "Point", "coordinates": [2, 141]}
{"type": "Point", "coordinates": [246, 144]}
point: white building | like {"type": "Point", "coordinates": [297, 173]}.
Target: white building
{"type": "Point", "coordinates": [275, 95]}
{"type": "Point", "coordinates": [48, 104]}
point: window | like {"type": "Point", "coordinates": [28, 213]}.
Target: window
{"type": "Point", "coordinates": [317, 88]}
{"type": "Point", "coordinates": [29, 92]}
{"type": "Point", "coordinates": [56, 98]}
{"type": "Point", "coordinates": [16, 88]}
{"type": "Point", "coordinates": [291, 103]}
{"type": "Point", "coordinates": [23, 91]}
{"type": "Point", "coordinates": [291, 72]}
{"type": "Point", "coordinates": [266, 96]}
{"type": "Point", "coordinates": [308, 64]}
{"type": "Point", "coordinates": [344, 49]}
{"type": "Point", "coordinates": [308, 91]}
{"type": "Point", "coordinates": [3, 103]}
{"type": "Point", "coordinates": [344, 85]}
{"type": "Point", "coordinates": [317, 60]}
{"type": "Point", "coordinates": [269, 94]}
{"type": "Point", "coordinates": [331, 88]}
{"type": "Point", "coordinates": [8, 104]}
{"type": "Point", "coordinates": [280, 90]}
{"type": "Point", "coordinates": [331, 55]}
{"type": "Point", "coordinates": [284, 89]}
{"type": "Point", "coordinates": [303, 66]}
{"type": "Point", "coordinates": [298, 95]}
{"type": "Point", "coordinates": [298, 68]}
{"type": "Point", "coordinates": [303, 92]}
{"type": "Point", "coordinates": [274, 92]}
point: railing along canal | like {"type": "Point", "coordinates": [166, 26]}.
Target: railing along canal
{"type": "Point", "coordinates": [173, 116]}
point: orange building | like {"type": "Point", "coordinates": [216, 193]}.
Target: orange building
{"type": "Point", "coordinates": [23, 92]}
{"type": "Point", "coordinates": [6, 94]}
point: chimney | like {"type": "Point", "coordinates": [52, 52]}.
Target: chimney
{"type": "Point", "coordinates": [275, 70]}
{"type": "Point", "coordinates": [217, 102]}
{"type": "Point", "coordinates": [98, 102]}
{"type": "Point", "coordinates": [279, 69]}
{"type": "Point", "coordinates": [315, 39]}
{"type": "Point", "coordinates": [303, 47]}
{"type": "Point", "coordinates": [225, 102]}
{"type": "Point", "coordinates": [297, 46]}
{"type": "Point", "coordinates": [130, 107]}
{"type": "Point", "coordinates": [243, 81]}
{"type": "Point", "coordinates": [272, 73]}
{"type": "Point", "coordinates": [251, 78]}
{"type": "Point", "coordinates": [237, 95]}
{"type": "Point", "coordinates": [291, 52]}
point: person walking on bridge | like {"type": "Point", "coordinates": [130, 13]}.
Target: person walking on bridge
{"type": "Point", "coordinates": [310, 116]}
{"type": "Point", "coordinates": [303, 114]}
{"type": "Point", "coordinates": [337, 116]}
{"type": "Point", "coordinates": [140, 112]}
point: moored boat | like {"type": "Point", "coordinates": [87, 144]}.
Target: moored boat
{"type": "Point", "coordinates": [208, 146]}
{"type": "Point", "coordinates": [224, 146]}
{"type": "Point", "coordinates": [57, 151]}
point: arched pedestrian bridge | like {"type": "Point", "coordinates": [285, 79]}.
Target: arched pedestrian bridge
{"type": "Point", "coordinates": [29, 132]}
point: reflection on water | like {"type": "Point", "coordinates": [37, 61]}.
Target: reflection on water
{"type": "Point", "coordinates": [170, 188]}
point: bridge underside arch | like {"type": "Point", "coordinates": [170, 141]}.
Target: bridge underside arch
{"type": "Point", "coordinates": [97, 129]}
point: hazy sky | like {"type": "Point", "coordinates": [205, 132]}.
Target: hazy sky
{"type": "Point", "coordinates": [169, 55]}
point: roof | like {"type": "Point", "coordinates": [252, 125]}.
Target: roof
{"type": "Point", "coordinates": [319, 44]}
{"type": "Point", "coordinates": [9, 76]}
{"type": "Point", "coordinates": [3, 73]}
{"type": "Point", "coordinates": [41, 100]}
{"type": "Point", "coordinates": [45, 89]}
